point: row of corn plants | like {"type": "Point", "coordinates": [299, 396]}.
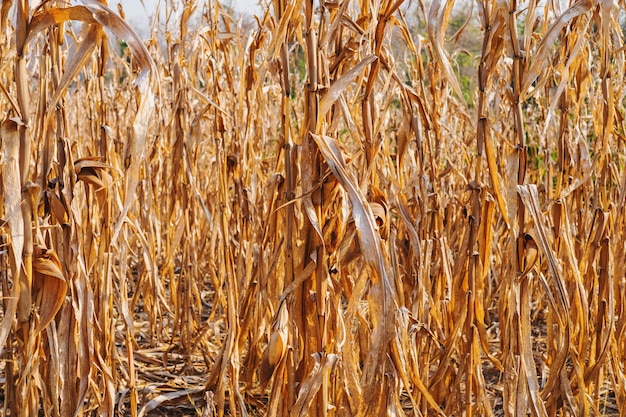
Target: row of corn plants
{"type": "Point", "coordinates": [304, 213]}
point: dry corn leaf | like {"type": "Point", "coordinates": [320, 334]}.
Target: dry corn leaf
{"type": "Point", "coordinates": [563, 69]}
{"type": "Point", "coordinates": [381, 292]}
{"type": "Point", "coordinates": [362, 214]}
{"type": "Point", "coordinates": [438, 17]}
{"type": "Point", "coordinates": [12, 197]}
{"type": "Point", "coordinates": [204, 250]}
{"type": "Point", "coordinates": [560, 300]}
{"type": "Point", "coordinates": [380, 217]}
{"type": "Point", "coordinates": [380, 209]}
{"type": "Point", "coordinates": [324, 363]}
{"type": "Point", "coordinates": [538, 62]}
{"type": "Point", "coordinates": [606, 293]}
{"type": "Point", "coordinates": [341, 84]}
{"type": "Point", "coordinates": [92, 171]}
{"type": "Point", "coordinates": [49, 285]}
{"type": "Point", "coordinates": [46, 17]}
{"type": "Point", "coordinates": [154, 403]}
{"type": "Point", "coordinates": [527, 362]}
{"type": "Point", "coordinates": [280, 33]}
{"type": "Point", "coordinates": [398, 353]}
{"type": "Point", "coordinates": [13, 188]}
{"type": "Point", "coordinates": [300, 276]}
{"type": "Point", "coordinates": [5, 6]}
{"type": "Point", "coordinates": [480, 380]}
{"type": "Point", "coordinates": [530, 198]}
{"type": "Point", "coordinates": [136, 148]}
{"type": "Point", "coordinates": [111, 21]}
{"type": "Point", "coordinates": [494, 175]}
{"type": "Point", "coordinates": [309, 209]}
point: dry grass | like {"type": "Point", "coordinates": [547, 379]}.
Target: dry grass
{"type": "Point", "coordinates": [303, 215]}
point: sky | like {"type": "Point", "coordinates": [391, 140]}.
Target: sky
{"type": "Point", "coordinates": [134, 9]}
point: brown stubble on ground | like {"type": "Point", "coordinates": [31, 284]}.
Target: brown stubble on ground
{"type": "Point", "coordinates": [336, 209]}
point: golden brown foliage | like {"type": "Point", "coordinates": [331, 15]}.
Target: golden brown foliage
{"type": "Point", "coordinates": [302, 214]}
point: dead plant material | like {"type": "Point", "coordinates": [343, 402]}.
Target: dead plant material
{"type": "Point", "coordinates": [332, 208]}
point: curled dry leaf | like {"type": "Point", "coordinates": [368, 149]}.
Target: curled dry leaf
{"type": "Point", "coordinates": [380, 217]}
{"type": "Point", "coordinates": [380, 211]}
{"type": "Point", "coordinates": [93, 172]}
{"type": "Point", "coordinates": [49, 285]}
{"type": "Point", "coordinates": [46, 17]}
{"type": "Point", "coordinates": [530, 198]}
{"type": "Point", "coordinates": [93, 34]}
{"type": "Point", "coordinates": [111, 21]}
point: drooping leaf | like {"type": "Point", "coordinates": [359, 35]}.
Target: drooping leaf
{"type": "Point", "coordinates": [381, 293]}
{"type": "Point", "coordinates": [438, 17]}
{"type": "Point", "coordinates": [136, 148]}
{"type": "Point", "coordinates": [341, 84]}
{"type": "Point", "coordinates": [49, 285]}
{"type": "Point", "coordinates": [311, 385]}
{"type": "Point", "coordinates": [539, 58]}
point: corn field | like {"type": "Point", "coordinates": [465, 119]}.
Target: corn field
{"type": "Point", "coordinates": [312, 211]}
